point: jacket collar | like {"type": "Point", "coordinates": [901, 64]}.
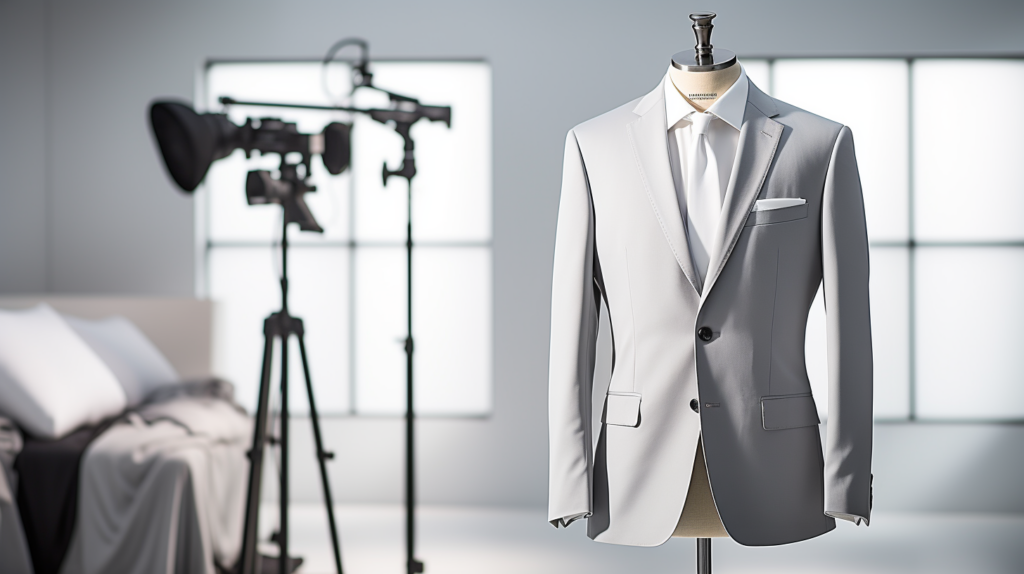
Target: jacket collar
{"type": "Point", "coordinates": [758, 140]}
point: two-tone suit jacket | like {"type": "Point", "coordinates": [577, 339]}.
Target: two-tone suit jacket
{"type": "Point", "coordinates": [724, 360]}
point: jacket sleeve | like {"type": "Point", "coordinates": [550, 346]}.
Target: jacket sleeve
{"type": "Point", "coordinates": [574, 321]}
{"type": "Point", "coordinates": [844, 245]}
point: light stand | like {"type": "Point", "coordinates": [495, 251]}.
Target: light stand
{"type": "Point", "coordinates": [281, 325]}
{"type": "Point", "coordinates": [408, 171]}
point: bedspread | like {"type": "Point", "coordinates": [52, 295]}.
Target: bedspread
{"type": "Point", "coordinates": [163, 491]}
{"type": "Point", "coordinates": [14, 554]}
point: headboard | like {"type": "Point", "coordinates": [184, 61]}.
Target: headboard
{"type": "Point", "coordinates": [181, 328]}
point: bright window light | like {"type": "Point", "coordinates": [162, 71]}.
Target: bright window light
{"type": "Point", "coordinates": [970, 333]}
{"type": "Point", "coordinates": [967, 158]}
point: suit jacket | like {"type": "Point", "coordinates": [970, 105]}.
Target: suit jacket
{"type": "Point", "coordinates": [724, 360]}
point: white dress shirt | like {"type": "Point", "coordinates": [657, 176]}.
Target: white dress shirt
{"type": "Point", "coordinates": [723, 136]}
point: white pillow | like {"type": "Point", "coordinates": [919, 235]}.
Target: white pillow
{"type": "Point", "coordinates": [51, 382]}
{"type": "Point", "coordinates": [136, 362]}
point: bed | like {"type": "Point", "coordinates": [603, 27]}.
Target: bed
{"type": "Point", "coordinates": [160, 483]}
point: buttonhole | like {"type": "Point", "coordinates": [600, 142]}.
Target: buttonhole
{"type": "Point", "coordinates": [712, 405]}
{"type": "Point", "coordinates": [766, 133]}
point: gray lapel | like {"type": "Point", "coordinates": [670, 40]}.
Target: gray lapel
{"type": "Point", "coordinates": [648, 136]}
{"type": "Point", "coordinates": [759, 138]}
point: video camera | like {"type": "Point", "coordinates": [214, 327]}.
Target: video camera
{"type": "Point", "coordinates": [189, 142]}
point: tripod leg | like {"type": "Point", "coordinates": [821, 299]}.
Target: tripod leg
{"type": "Point", "coordinates": [282, 496]}
{"type": "Point", "coordinates": [247, 560]}
{"type": "Point", "coordinates": [703, 556]}
{"type": "Point", "coordinates": [321, 456]}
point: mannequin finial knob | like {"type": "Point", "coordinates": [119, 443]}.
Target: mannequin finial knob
{"type": "Point", "coordinates": [702, 59]}
{"type": "Point", "coordinates": [702, 27]}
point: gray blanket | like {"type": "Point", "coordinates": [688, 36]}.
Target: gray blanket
{"type": "Point", "coordinates": [14, 555]}
{"type": "Point", "coordinates": [162, 491]}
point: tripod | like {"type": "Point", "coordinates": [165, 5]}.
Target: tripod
{"type": "Point", "coordinates": [281, 325]}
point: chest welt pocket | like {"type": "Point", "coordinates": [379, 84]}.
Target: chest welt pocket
{"type": "Point", "coordinates": [788, 412]}
{"type": "Point", "coordinates": [784, 214]}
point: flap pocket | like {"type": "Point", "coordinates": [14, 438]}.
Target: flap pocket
{"type": "Point", "coordinates": [622, 409]}
{"type": "Point", "coordinates": [790, 412]}
{"type": "Point", "coordinates": [765, 217]}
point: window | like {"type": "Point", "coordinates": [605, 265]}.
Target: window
{"type": "Point", "coordinates": [969, 261]}
{"type": "Point", "coordinates": [942, 202]}
{"type": "Point", "coordinates": [348, 284]}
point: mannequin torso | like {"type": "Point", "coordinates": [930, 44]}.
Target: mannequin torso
{"type": "Point", "coordinates": [701, 89]}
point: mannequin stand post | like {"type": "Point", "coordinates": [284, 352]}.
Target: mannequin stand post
{"type": "Point", "coordinates": [703, 556]}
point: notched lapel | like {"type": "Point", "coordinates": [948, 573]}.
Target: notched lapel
{"type": "Point", "coordinates": [759, 139]}
{"type": "Point", "coordinates": [648, 136]}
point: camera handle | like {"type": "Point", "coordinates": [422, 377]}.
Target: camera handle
{"type": "Point", "coordinates": [408, 167]}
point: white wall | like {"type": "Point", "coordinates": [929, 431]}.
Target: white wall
{"type": "Point", "coordinates": [23, 165]}
{"type": "Point", "coordinates": [85, 206]}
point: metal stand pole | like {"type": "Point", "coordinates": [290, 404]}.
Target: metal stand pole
{"type": "Point", "coordinates": [282, 497]}
{"type": "Point", "coordinates": [403, 125]}
{"type": "Point", "coordinates": [413, 566]}
{"type": "Point", "coordinates": [281, 325]}
{"type": "Point", "coordinates": [703, 556]}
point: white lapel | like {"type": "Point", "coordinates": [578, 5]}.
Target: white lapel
{"type": "Point", "coordinates": [648, 136]}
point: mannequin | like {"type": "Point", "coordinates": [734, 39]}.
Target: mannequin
{"type": "Point", "coordinates": [701, 89]}
{"type": "Point", "coordinates": [705, 295]}
{"type": "Point", "coordinates": [701, 77]}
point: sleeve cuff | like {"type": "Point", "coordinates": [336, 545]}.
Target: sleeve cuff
{"type": "Point", "coordinates": [565, 521]}
{"type": "Point", "coordinates": [851, 517]}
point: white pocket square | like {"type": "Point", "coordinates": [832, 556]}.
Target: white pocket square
{"type": "Point", "coordinates": [777, 203]}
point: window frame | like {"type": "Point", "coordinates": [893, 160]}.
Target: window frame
{"type": "Point", "coordinates": [204, 243]}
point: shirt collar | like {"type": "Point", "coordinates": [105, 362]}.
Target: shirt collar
{"type": "Point", "coordinates": [729, 107]}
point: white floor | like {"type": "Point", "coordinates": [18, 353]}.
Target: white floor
{"type": "Point", "coordinates": [456, 540]}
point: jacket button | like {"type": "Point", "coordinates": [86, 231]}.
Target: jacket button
{"type": "Point", "coordinates": [695, 405]}
{"type": "Point", "coordinates": [704, 333]}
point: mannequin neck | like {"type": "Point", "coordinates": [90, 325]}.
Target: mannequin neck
{"type": "Point", "coordinates": [701, 89]}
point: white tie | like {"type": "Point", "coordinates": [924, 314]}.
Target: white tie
{"type": "Point", "coordinates": [703, 193]}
